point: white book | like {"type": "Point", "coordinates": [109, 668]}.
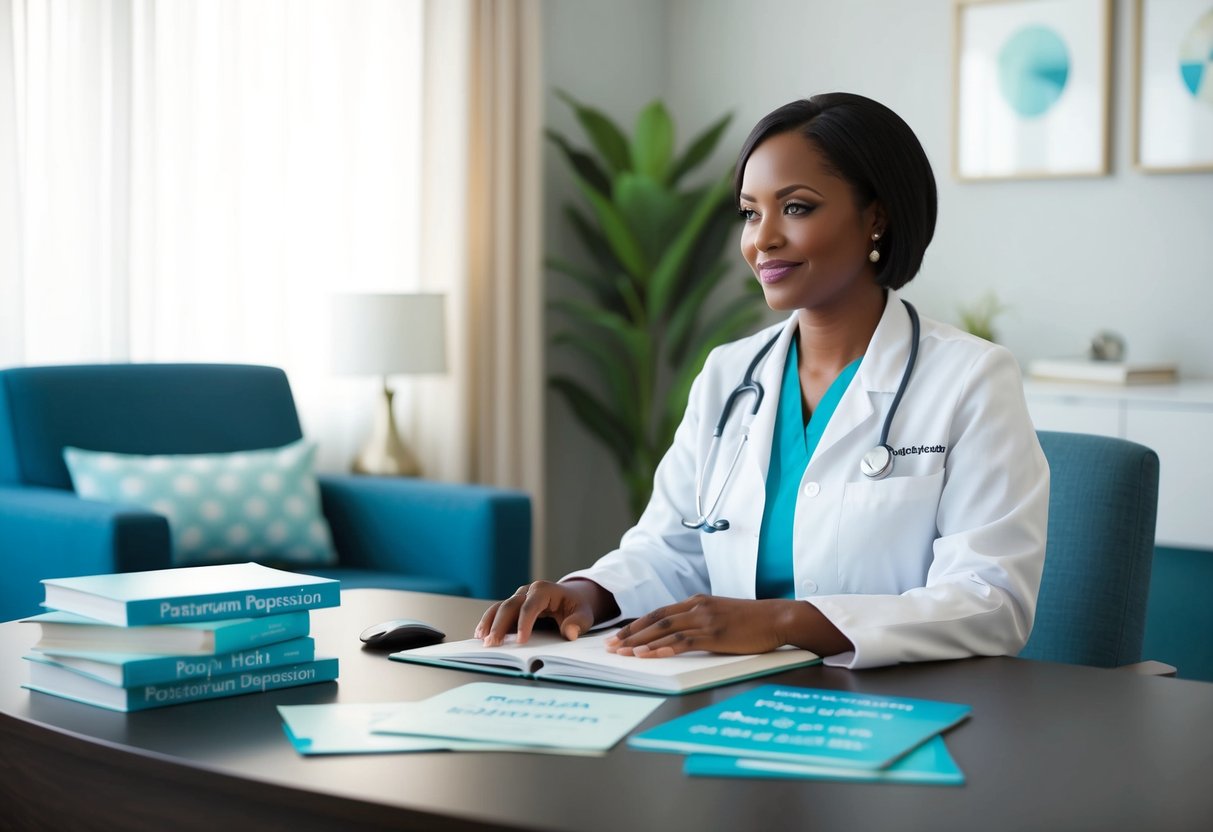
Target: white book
{"type": "Point", "coordinates": [1103, 372]}
{"type": "Point", "coordinates": [548, 656]}
{"type": "Point", "coordinates": [522, 715]}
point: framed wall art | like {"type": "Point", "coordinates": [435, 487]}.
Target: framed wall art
{"type": "Point", "coordinates": [1031, 88]}
{"type": "Point", "coordinates": [1173, 76]}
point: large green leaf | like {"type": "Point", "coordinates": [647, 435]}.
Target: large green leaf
{"type": "Point", "coordinates": [599, 285]}
{"type": "Point", "coordinates": [653, 144]}
{"type": "Point", "coordinates": [687, 310]}
{"type": "Point", "coordinates": [596, 416]}
{"type": "Point", "coordinates": [701, 148]}
{"type": "Point", "coordinates": [632, 301]}
{"type": "Point", "coordinates": [607, 138]}
{"type": "Point", "coordinates": [633, 339]}
{"type": "Point", "coordinates": [591, 239]}
{"type": "Point", "coordinates": [652, 212]}
{"type": "Point", "coordinates": [730, 323]}
{"type": "Point", "coordinates": [582, 163]}
{"type": "Point", "coordinates": [623, 243]}
{"type": "Point", "coordinates": [717, 243]}
{"type": "Point", "coordinates": [673, 263]}
{"type": "Point", "coordinates": [615, 370]}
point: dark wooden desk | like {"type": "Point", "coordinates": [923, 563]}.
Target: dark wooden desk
{"type": "Point", "coordinates": [1048, 747]}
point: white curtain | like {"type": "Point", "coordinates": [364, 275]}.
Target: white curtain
{"type": "Point", "coordinates": [482, 191]}
{"type": "Point", "coordinates": [195, 178]}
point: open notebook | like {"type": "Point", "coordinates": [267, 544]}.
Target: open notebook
{"type": "Point", "coordinates": [585, 661]}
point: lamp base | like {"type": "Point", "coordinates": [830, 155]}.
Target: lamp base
{"type": "Point", "coordinates": [385, 453]}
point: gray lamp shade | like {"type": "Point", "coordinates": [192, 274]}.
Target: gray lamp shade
{"type": "Point", "coordinates": [389, 334]}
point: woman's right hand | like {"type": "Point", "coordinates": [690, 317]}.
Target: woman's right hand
{"type": "Point", "coordinates": [575, 605]}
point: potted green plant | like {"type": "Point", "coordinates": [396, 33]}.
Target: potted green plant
{"type": "Point", "coordinates": [654, 257]}
{"type": "Point", "coordinates": [978, 317]}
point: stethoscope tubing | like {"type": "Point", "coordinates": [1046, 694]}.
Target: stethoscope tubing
{"type": "Point", "coordinates": [875, 464]}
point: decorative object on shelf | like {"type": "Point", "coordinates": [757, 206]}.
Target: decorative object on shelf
{"type": "Point", "coordinates": [1173, 79]}
{"type": "Point", "coordinates": [1107, 346]}
{"type": "Point", "coordinates": [978, 317]}
{"type": "Point", "coordinates": [1031, 88]}
{"type": "Point", "coordinates": [385, 335]}
{"type": "Point", "coordinates": [655, 255]}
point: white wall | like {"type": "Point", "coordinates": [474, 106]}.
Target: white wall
{"type": "Point", "coordinates": [1129, 252]}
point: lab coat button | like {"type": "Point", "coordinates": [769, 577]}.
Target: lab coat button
{"type": "Point", "coordinates": [812, 489]}
{"type": "Point", "coordinates": [809, 587]}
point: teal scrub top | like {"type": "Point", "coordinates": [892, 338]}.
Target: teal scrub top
{"type": "Point", "coordinates": [792, 447]}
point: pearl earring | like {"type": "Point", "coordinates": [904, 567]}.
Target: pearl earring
{"type": "Point", "coordinates": [874, 254]}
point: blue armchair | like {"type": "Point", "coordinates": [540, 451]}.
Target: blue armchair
{"type": "Point", "coordinates": [391, 533]}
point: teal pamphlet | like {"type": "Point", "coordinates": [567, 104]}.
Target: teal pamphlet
{"type": "Point", "coordinates": [191, 593]}
{"type": "Point", "coordinates": [520, 715]}
{"type": "Point", "coordinates": [928, 764]}
{"type": "Point", "coordinates": [129, 669]}
{"type": "Point", "coordinates": [806, 725]}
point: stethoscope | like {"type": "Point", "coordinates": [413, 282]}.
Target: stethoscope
{"type": "Point", "coordinates": [875, 464]}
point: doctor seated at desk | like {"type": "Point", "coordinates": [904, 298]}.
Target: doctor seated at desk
{"type": "Point", "coordinates": [875, 491]}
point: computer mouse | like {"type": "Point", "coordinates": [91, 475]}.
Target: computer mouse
{"type": "Point", "coordinates": [401, 634]}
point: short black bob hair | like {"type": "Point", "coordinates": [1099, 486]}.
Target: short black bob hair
{"type": "Point", "coordinates": [872, 149]}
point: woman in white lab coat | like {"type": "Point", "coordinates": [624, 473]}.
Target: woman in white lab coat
{"type": "Point", "coordinates": [795, 527]}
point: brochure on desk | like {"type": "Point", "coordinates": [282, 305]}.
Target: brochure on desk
{"type": "Point", "coordinates": [929, 764]}
{"type": "Point", "coordinates": [807, 726]}
{"type": "Point", "coordinates": [524, 715]}
{"type": "Point", "coordinates": [348, 728]}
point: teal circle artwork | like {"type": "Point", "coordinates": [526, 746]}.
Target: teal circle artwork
{"type": "Point", "coordinates": [1033, 67]}
{"type": "Point", "coordinates": [1196, 59]}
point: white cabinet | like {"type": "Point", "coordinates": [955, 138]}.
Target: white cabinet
{"type": "Point", "coordinates": [1176, 420]}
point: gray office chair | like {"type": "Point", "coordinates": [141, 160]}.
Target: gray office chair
{"type": "Point", "coordinates": [1102, 506]}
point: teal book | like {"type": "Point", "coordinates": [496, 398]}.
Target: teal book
{"type": "Point", "coordinates": [834, 728]}
{"type": "Point", "coordinates": [190, 593]}
{"type": "Point", "coordinates": [585, 661]}
{"type": "Point", "coordinates": [551, 718]}
{"type": "Point", "coordinates": [68, 631]}
{"type": "Point", "coordinates": [127, 670]}
{"type": "Point", "coordinates": [47, 677]}
{"type": "Point", "coordinates": [929, 764]}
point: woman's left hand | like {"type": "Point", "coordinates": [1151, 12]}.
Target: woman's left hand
{"type": "Point", "coordinates": [704, 622]}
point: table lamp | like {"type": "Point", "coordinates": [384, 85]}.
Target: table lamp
{"type": "Point", "coordinates": [385, 335]}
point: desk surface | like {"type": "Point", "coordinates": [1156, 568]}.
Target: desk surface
{"type": "Point", "coordinates": [1047, 747]}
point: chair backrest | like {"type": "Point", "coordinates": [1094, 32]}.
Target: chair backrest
{"type": "Point", "coordinates": [137, 409]}
{"type": "Point", "coordinates": [1103, 502]}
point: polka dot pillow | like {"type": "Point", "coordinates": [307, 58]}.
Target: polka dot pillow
{"type": "Point", "coordinates": [252, 505]}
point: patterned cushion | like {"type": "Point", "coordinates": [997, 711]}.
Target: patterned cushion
{"type": "Point", "coordinates": [252, 505]}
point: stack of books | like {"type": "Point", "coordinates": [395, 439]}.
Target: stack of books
{"type": "Point", "coordinates": [139, 640]}
{"type": "Point", "coordinates": [792, 732]}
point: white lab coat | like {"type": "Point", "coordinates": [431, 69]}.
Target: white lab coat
{"type": "Point", "coordinates": [942, 559]}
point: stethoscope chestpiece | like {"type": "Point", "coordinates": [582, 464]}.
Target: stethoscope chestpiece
{"type": "Point", "coordinates": [703, 525]}
{"type": "Point", "coordinates": [877, 463]}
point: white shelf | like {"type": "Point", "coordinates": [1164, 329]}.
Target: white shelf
{"type": "Point", "coordinates": [1175, 420]}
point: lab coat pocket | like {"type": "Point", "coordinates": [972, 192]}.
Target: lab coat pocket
{"type": "Point", "coordinates": [886, 532]}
